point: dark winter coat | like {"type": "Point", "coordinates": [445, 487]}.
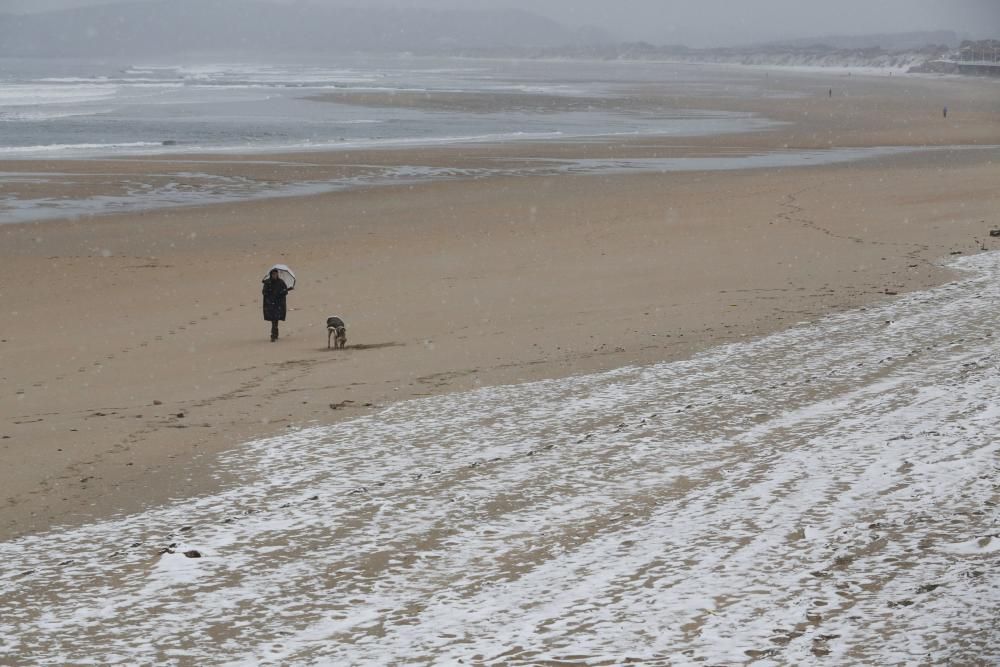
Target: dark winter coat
{"type": "Point", "coordinates": [274, 292]}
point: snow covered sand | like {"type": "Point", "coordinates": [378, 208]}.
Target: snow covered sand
{"type": "Point", "coordinates": [829, 490]}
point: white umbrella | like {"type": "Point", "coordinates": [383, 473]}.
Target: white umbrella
{"type": "Point", "coordinates": [284, 273]}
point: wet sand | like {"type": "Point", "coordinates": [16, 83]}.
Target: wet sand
{"type": "Point", "coordinates": [133, 347]}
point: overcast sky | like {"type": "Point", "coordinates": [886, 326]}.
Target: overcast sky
{"type": "Point", "coordinates": [709, 22]}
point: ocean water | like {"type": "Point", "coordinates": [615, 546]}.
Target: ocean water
{"type": "Point", "coordinates": [829, 493]}
{"type": "Point", "coordinates": [90, 109]}
{"type": "Point", "coordinates": [83, 109]}
{"type": "Point", "coordinates": [52, 109]}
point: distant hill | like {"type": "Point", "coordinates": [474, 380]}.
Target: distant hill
{"type": "Point", "coordinates": [908, 53]}
{"type": "Point", "coordinates": [170, 27]}
{"type": "Point", "coordinates": [903, 41]}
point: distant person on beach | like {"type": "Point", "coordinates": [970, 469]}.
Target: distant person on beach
{"type": "Point", "coordinates": [944, 112]}
{"type": "Point", "coordinates": [275, 290]}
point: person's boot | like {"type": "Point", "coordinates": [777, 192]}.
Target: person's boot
{"type": "Point", "coordinates": [274, 331]}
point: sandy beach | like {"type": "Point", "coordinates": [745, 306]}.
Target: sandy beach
{"type": "Point", "coordinates": [648, 398]}
{"type": "Point", "coordinates": [133, 348]}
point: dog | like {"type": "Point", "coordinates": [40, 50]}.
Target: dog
{"type": "Point", "coordinates": [336, 332]}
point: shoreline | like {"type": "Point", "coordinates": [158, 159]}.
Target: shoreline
{"type": "Point", "coordinates": [208, 189]}
{"type": "Point", "coordinates": [136, 319]}
{"type": "Point", "coordinates": [861, 114]}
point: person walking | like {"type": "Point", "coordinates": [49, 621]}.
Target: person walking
{"type": "Point", "coordinates": [274, 291]}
